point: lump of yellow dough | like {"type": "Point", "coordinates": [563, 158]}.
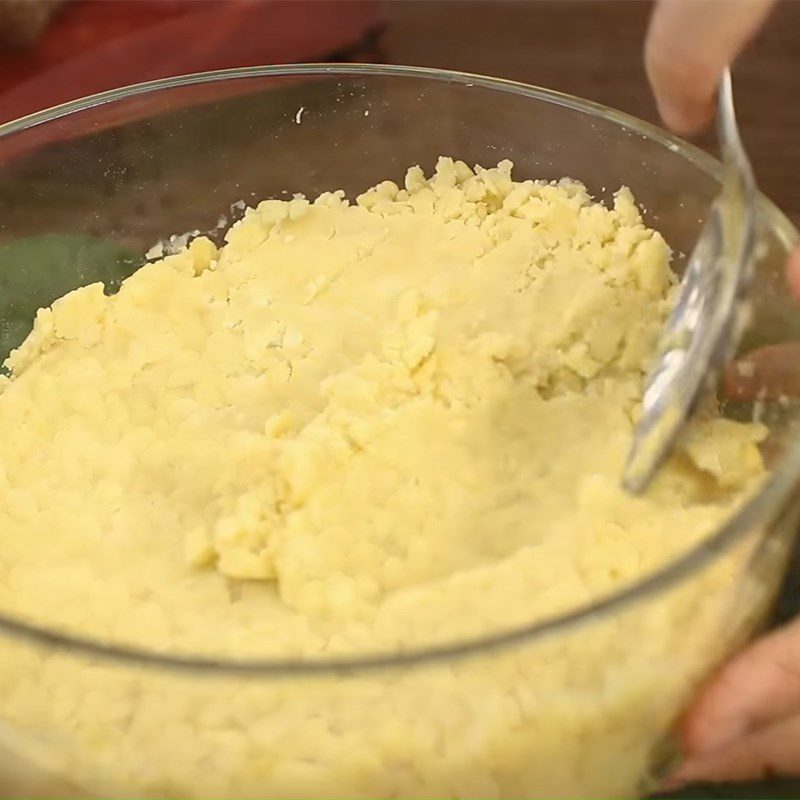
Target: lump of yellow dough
{"type": "Point", "coordinates": [430, 390]}
{"type": "Point", "coordinates": [726, 450]}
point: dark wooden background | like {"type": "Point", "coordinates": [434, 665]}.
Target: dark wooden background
{"type": "Point", "coordinates": [593, 49]}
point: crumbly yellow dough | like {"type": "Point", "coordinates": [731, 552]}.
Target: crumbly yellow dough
{"type": "Point", "coordinates": [356, 427]}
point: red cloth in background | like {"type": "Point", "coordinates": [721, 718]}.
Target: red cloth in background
{"type": "Point", "coordinates": [94, 45]}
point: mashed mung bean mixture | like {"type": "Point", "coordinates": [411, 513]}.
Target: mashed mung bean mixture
{"type": "Point", "coordinates": [355, 427]}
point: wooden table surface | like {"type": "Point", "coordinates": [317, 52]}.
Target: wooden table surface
{"type": "Point", "coordinates": [593, 49]}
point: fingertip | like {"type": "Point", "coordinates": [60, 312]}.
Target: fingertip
{"type": "Point", "coordinates": [682, 75]}
{"type": "Point", "coordinates": [684, 119]}
{"type": "Point", "coordinates": [710, 729]}
{"type": "Point", "coordinates": [772, 749]}
{"type": "Point", "coordinates": [688, 46]}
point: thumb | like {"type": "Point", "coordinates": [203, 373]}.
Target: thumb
{"type": "Point", "coordinates": [689, 43]}
{"type": "Point", "coordinates": [770, 750]}
{"type": "Point", "coordinates": [758, 687]}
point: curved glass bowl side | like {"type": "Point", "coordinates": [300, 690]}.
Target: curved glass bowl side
{"type": "Point", "coordinates": [589, 712]}
{"type": "Point", "coordinates": [188, 148]}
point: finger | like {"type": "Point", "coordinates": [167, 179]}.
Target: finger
{"type": "Point", "coordinates": [770, 751]}
{"type": "Point", "coordinates": [793, 273]}
{"type": "Point", "coordinates": [689, 43]}
{"type": "Point", "coordinates": [771, 371]}
{"type": "Point", "coordinates": [759, 687]}
{"type": "Point", "coordinates": [767, 373]}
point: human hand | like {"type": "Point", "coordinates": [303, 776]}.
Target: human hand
{"type": "Point", "coordinates": [689, 44]}
{"type": "Point", "coordinates": [745, 723]}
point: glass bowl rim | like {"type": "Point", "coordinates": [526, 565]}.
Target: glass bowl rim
{"type": "Point", "coordinates": [762, 509]}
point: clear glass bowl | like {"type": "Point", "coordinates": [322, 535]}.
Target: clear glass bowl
{"type": "Point", "coordinates": [87, 188]}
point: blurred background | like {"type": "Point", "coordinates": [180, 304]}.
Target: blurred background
{"type": "Point", "coordinates": [56, 50]}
